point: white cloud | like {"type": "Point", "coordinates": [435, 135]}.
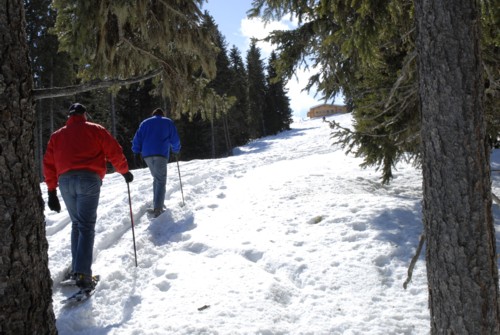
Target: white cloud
{"type": "Point", "coordinates": [256, 28]}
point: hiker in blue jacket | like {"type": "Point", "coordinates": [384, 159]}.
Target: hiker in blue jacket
{"type": "Point", "coordinates": [154, 139]}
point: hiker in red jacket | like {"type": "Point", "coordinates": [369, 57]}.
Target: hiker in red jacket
{"type": "Point", "coordinates": [75, 160]}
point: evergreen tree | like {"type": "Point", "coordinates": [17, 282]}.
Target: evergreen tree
{"type": "Point", "coordinates": [237, 120]}
{"type": "Point", "coordinates": [203, 131]}
{"type": "Point", "coordinates": [278, 115]}
{"type": "Point", "coordinates": [49, 68]}
{"type": "Point", "coordinates": [366, 50]}
{"type": "Point", "coordinates": [123, 39]}
{"type": "Point", "coordinates": [220, 138]}
{"type": "Point", "coordinates": [256, 92]}
{"type": "Point", "coordinates": [195, 134]}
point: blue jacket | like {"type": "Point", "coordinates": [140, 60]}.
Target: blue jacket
{"type": "Point", "coordinates": [155, 136]}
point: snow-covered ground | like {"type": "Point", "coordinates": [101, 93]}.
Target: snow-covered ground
{"type": "Point", "coordinates": [289, 236]}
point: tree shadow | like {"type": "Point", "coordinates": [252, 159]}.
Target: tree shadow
{"type": "Point", "coordinates": [402, 228]}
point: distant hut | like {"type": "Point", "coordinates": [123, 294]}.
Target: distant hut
{"type": "Point", "coordinates": [326, 110]}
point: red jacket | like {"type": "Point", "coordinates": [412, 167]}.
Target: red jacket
{"type": "Point", "coordinates": [81, 145]}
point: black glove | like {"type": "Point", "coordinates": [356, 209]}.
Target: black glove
{"type": "Point", "coordinates": [54, 204]}
{"type": "Point", "coordinates": [129, 177]}
{"type": "Point", "coordinates": [177, 155]}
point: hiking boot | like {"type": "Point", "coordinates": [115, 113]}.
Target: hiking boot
{"type": "Point", "coordinates": [69, 276]}
{"type": "Point", "coordinates": [85, 282]}
{"type": "Point", "coordinates": [157, 212]}
{"type": "Point", "coordinates": [69, 279]}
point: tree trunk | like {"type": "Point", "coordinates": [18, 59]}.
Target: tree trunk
{"type": "Point", "coordinates": [51, 103]}
{"type": "Point", "coordinates": [40, 145]}
{"type": "Point", "coordinates": [113, 114]}
{"type": "Point", "coordinates": [212, 133]}
{"type": "Point", "coordinates": [461, 257]}
{"type": "Point", "coordinates": [227, 135]}
{"type": "Point", "coordinates": [25, 283]}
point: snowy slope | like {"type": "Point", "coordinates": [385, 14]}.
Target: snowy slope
{"type": "Point", "coordinates": [289, 236]}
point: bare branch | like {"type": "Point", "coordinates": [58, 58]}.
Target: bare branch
{"type": "Point", "coordinates": [404, 73]}
{"type": "Point", "coordinates": [414, 260]}
{"type": "Point", "coordinates": [495, 198]}
{"type": "Point", "coordinates": [56, 92]}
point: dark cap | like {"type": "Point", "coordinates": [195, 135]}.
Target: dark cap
{"type": "Point", "coordinates": [77, 108]}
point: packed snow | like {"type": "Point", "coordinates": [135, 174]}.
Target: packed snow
{"type": "Point", "coordinates": [288, 236]}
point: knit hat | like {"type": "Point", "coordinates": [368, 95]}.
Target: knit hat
{"type": "Point", "coordinates": [77, 108]}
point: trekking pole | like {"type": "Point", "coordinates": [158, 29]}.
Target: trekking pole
{"type": "Point", "coordinates": [132, 222]}
{"type": "Point", "coordinates": [180, 181]}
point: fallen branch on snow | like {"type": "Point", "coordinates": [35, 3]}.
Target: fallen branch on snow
{"type": "Point", "coordinates": [414, 260]}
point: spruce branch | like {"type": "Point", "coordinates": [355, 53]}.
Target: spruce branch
{"type": "Point", "coordinates": [142, 50]}
{"type": "Point", "coordinates": [334, 125]}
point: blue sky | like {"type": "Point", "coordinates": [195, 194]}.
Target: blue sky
{"type": "Point", "coordinates": [228, 16]}
{"type": "Point", "coordinates": [233, 23]}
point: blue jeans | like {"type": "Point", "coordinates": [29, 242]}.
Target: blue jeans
{"type": "Point", "coordinates": [158, 167]}
{"type": "Point", "coordinates": [80, 191]}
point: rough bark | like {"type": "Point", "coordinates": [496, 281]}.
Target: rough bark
{"type": "Point", "coordinates": [461, 257]}
{"type": "Point", "coordinates": [25, 282]}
